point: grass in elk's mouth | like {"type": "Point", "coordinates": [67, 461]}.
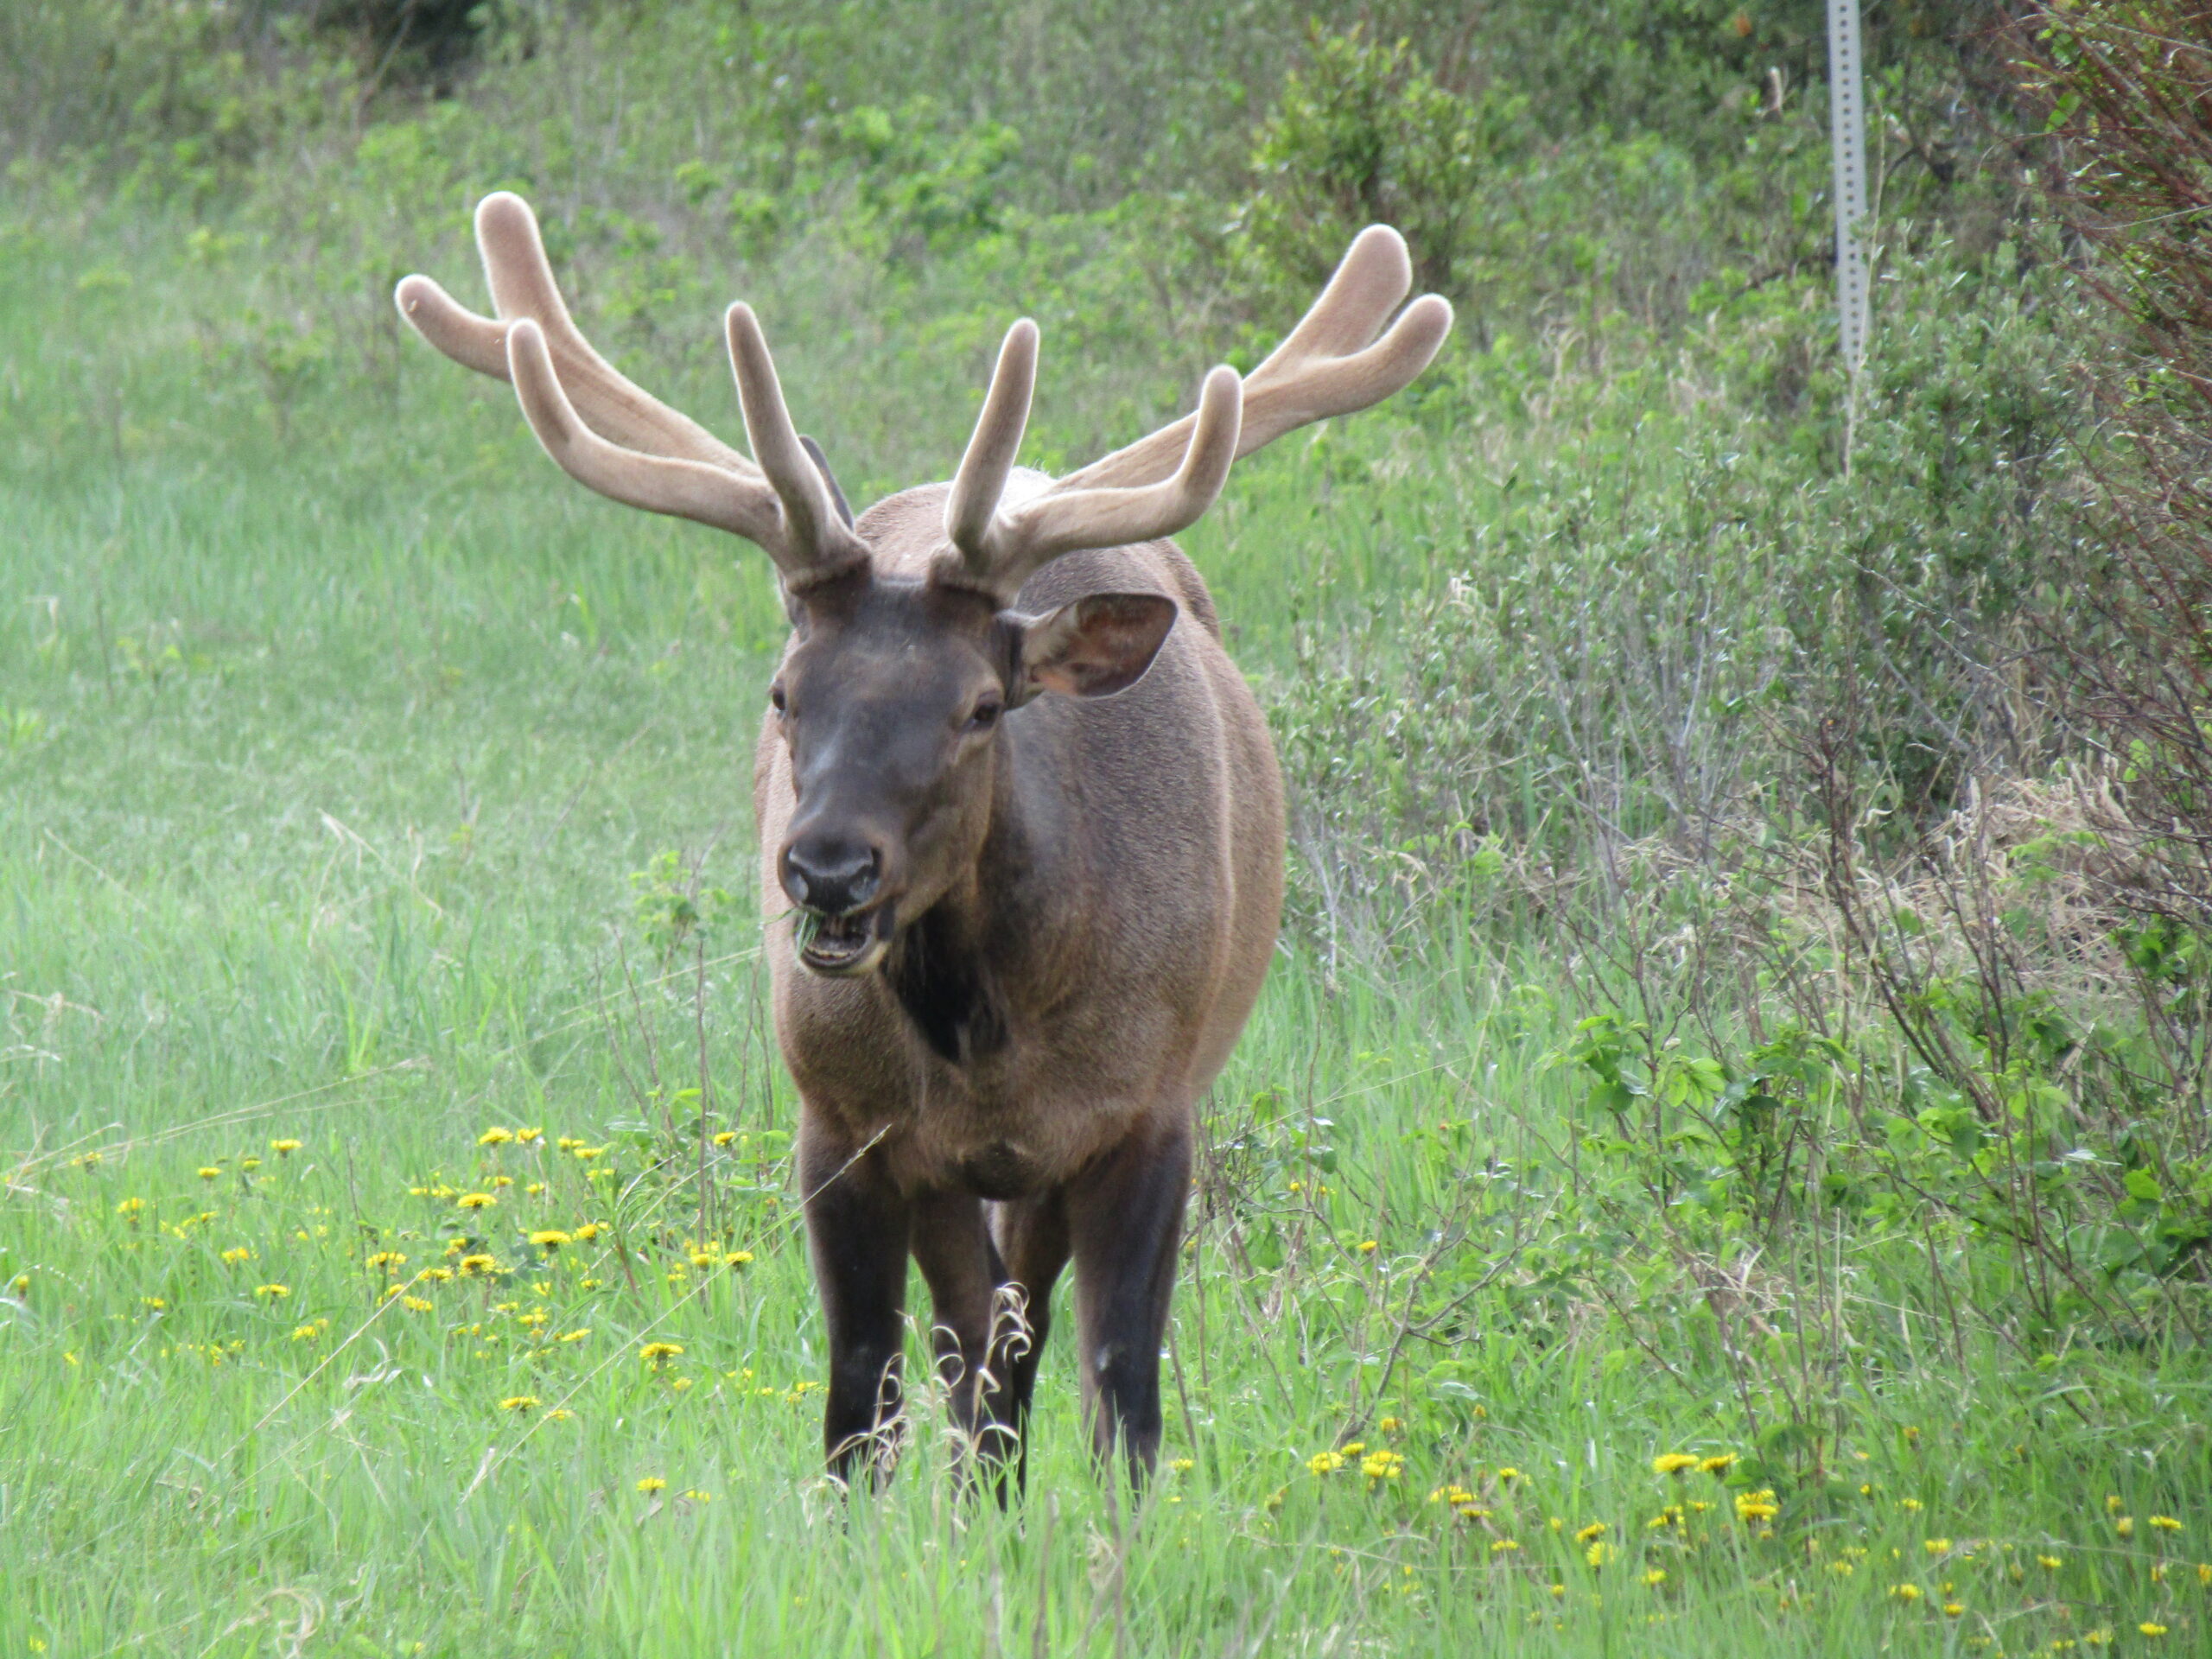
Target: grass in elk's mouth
{"type": "Point", "coordinates": [806, 927]}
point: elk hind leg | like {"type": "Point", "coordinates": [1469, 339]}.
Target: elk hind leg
{"type": "Point", "coordinates": [1032, 1242]}
{"type": "Point", "coordinates": [961, 1266]}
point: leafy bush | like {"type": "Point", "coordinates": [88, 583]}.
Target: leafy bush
{"type": "Point", "coordinates": [1361, 135]}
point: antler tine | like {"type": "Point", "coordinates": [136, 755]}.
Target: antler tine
{"type": "Point", "coordinates": [1025, 538]}
{"type": "Point", "coordinates": [1324, 366]}
{"type": "Point", "coordinates": [810, 513]}
{"type": "Point", "coordinates": [973, 504]}
{"type": "Point", "coordinates": [605, 431]}
{"type": "Point", "coordinates": [689, 489]}
{"type": "Point", "coordinates": [521, 280]}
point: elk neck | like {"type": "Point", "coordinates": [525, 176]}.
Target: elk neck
{"type": "Point", "coordinates": [964, 968]}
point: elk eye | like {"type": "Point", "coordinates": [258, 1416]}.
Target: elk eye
{"type": "Point", "coordinates": [776, 698]}
{"type": "Point", "coordinates": [986, 714]}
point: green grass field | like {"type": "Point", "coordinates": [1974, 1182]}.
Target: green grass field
{"type": "Point", "coordinates": [398, 1247]}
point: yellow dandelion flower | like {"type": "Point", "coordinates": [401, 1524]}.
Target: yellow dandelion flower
{"type": "Point", "coordinates": [1673, 1463]}
{"type": "Point", "coordinates": [1906, 1592]}
{"type": "Point", "coordinates": [209, 1171]}
{"type": "Point", "coordinates": [698, 1497]}
{"type": "Point", "coordinates": [1181, 1465]}
{"type": "Point", "coordinates": [1323, 1463]}
{"type": "Point", "coordinates": [2204, 1574]}
{"type": "Point", "coordinates": [1719, 1464]}
{"type": "Point", "coordinates": [1657, 1575]}
{"type": "Point", "coordinates": [1910, 1505]}
{"type": "Point", "coordinates": [652, 1483]}
{"type": "Point", "coordinates": [2111, 1503]}
{"type": "Point", "coordinates": [654, 1353]}
{"type": "Point", "coordinates": [415, 1305]}
{"type": "Point", "coordinates": [305, 1333]}
{"type": "Point", "coordinates": [589, 1284]}
{"type": "Point", "coordinates": [2152, 1630]}
{"type": "Point", "coordinates": [1599, 1554]}
{"type": "Point", "coordinates": [436, 1275]}
{"type": "Point", "coordinates": [1559, 1591]}
{"type": "Point", "coordinates": [273, 1293]}
{"type": "Point", "coordinates": [2165, 1523]}
{"type": "Point", "coordinates": [586, 1232]}
{"type": "Point", "coordinates": [681, 1385]}
{"type": "Point", "coordinates": [495, 1136]}
{"type": "Point", "coordinates": [1367, 1246]}
{"type": "Point", "coordinates": [130, 1207]}
{"type": "Point", "coordinates": [283, 1148]}
{"type": "Point", "coordinates": [705, 1259]}
{"type": "Point", "coordinates": [535, 1188]}
{"type": "Point", "coordinates": [738, 1259]}
{"type": "Point", "coordinates": [1503, 1546]}
{"type": "Point", "coordinates": [249, 1163]}
{"type": "Point", "coordinates": [475, 1201]}
{"type": "Point", "coordinates": [20, 1284]}
{"type": "Point", "coordinates": [1594, 1530]}
{"type": "Point", "coordinates": [1508, 1475]}
{"type": "Point", "coordinates": [1936, 1546]}
{"type": "Point", "coordinates": [1841, 1569]}
{"type": "Point", "coordinates": [503, 1180]}
{"type": "Point", "coordinates": [1757, 1506]}
{"type": "Point", "coordinates": [1382, 1465]}
{"type": "Point", "coordinates": [388, 1259]}
{"type": "Point", "coordinates": [2052, 1562]}
{"type": "Point", "coordinates": [587, 1154]}
{"type": "Point", "coordinates": [725, 1137]}
{"type": "Point", "coordinates": [1953, 1608]}
{"type": "Point", "coordinates": [551, 1238]}
{"type": "Point", "coordinates": [577, 1335]}
{"type": "Point", "coordinates": [520, 1402]}
{"type": "Point", "coordinates": [2125, 1526]}
{"type": "Point", "coordinates": [1389, 1425]}
{"type": "Point", "coordinates": [1352, 1448]}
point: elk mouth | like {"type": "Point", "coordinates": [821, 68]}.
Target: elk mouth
{"type": "Point", "coordinates": [842, 947]}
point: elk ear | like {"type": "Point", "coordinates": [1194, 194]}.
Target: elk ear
{"type": "Point", "coordinates": [1094, 647]}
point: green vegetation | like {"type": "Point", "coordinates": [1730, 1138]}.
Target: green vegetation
{"type": "Point", "coordinates": [1737, 1003]}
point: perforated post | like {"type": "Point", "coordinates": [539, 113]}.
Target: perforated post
{"type": "Point", "coordinates": [1847, 145]}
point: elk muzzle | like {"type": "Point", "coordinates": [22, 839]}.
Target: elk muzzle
{"type": "Point", "coordinates": [836, 882]}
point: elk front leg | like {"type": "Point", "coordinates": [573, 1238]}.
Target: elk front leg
{"type": "Point", "coordinates": [857, 1226]}
{"type": "Point", "coordinates": [1125, 1216]}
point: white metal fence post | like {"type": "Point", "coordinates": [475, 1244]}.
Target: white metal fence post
{"type": "Point", "coordinates": [1847, 146]}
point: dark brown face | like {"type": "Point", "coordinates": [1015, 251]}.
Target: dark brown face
{"type": "Point", "coordinates": [891, 702]}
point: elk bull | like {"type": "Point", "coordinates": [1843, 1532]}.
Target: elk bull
{"type": "Point", "coordinates": [1022, 833]}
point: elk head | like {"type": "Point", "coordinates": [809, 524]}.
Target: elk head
{"type": "Point", "coordinates": [907, 657]}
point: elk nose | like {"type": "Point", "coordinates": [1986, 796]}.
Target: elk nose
{"type": "Point", "coordinates": [830, 875]}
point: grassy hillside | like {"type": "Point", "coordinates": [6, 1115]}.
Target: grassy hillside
{"type": "Point", "coordinates": [1673, 759]}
